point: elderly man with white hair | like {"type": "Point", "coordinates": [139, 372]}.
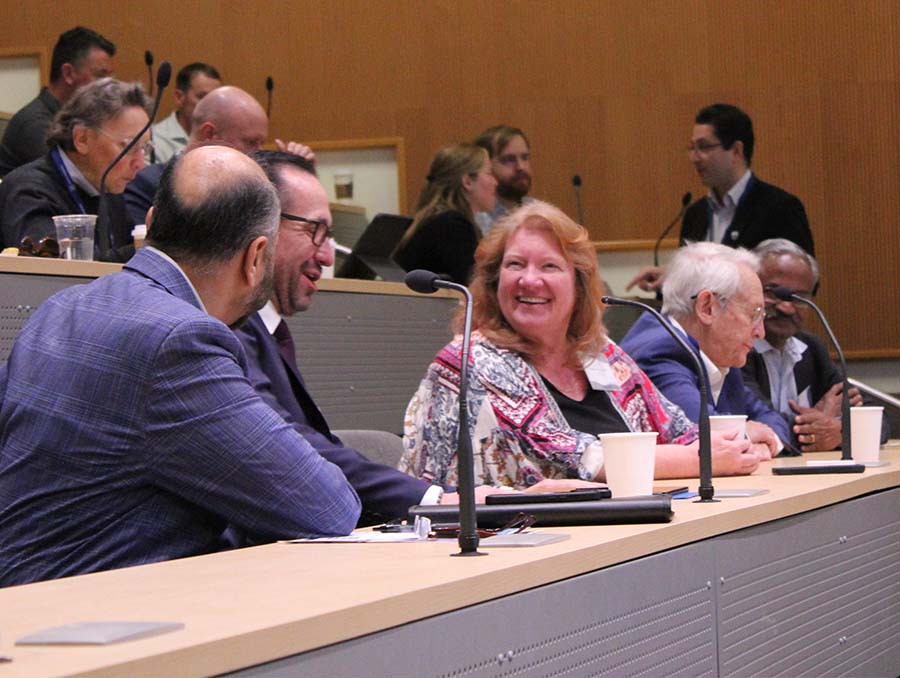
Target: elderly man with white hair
{"type": "Point", "coordinates": [713, 295]}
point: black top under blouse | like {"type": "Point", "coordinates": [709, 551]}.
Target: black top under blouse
{"type": "Point", "coordinates": [595, 414]}
{"type": "Point", "coordinates": [444, 243]}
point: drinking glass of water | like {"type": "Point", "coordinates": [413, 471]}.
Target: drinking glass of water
{"type": "Point", "coordinates": [75, 234]}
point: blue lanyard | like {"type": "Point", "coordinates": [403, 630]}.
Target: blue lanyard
{"type": "Point", "coordinates": [64, 173]}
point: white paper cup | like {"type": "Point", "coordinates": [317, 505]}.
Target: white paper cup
{"type": "Point", "coordinates": [729, 422]}
{"type": "Point", "coordinates": [75, 235]}
{"type": "Point", "coordinates": [629, 459]}
{"type": "Point", "coordinates": [139, 233]}
{"type": "Point", "coordinates": [865, 433]}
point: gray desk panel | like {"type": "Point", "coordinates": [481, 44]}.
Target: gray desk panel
{"type": "Point", "coordinates": [596, 624]}
{"type": "Point", "coordinates": [812, 595]}
{"type": "Point", "coordinates": [362, 355]}
{"type": "Point", "coordinates": [20, 295]}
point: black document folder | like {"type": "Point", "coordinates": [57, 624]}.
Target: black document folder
{"type": "Point", "coordinates": [652, 509]}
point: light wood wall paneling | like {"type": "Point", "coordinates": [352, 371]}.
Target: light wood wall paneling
{"type": "Point", "coordinates": [604, 89]}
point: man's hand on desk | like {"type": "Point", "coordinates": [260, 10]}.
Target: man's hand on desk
{"type": "Point", "coordinates": [816, 430]}
{"type": "Point", "coordinates": [549, 485]}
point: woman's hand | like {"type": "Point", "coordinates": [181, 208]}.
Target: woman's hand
{"type": "Point", "coordinates": [732, 456]}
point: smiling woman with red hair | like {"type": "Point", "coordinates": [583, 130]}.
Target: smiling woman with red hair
{"type": "Point", "coordinates": [544, 378]}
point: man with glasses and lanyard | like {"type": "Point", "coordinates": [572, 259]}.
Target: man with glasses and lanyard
{"type": "Point", "coordinates": [740, 209]}
{"type": "Point", "coordinates": [711, 294]}
{"type": "Point", "coordinates": [86, 135]}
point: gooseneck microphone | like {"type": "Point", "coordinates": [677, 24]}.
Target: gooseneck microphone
{"type": "Point", "coordinates": [576, 184]}
{"type": "Point", "coordinates": [426, 282]}
{"type": "Point", "coordinates": [707, 492]}
{"type": "Point", "coordinates": [786, 294]}
{"type": "Point", "coordinates": [163, 75]}
{"type": "Point", "coordinates": [685, 201]}
{"type": "Point", "coordinates": [270, 85]}
{"type": "Point", "coordinates": [148, 59]}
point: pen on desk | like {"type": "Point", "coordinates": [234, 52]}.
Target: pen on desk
{"type": "Point", "coordinates": [394, 528]}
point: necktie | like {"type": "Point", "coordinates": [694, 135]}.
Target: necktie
{"type": "Point", "coordinates": [286, 344]}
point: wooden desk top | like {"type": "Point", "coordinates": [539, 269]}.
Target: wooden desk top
{"type": "Point", "coordinates": [249, 606]}
{"type": "Point", "coordinates": [94, 269]}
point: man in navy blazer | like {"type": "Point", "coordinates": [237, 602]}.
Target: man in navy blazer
{"type": "Point", "coordinates": [740, 210]}
{"type": "Point", "coordinates": [304, 248]}
{"type": "Point", "coordinates": [713, 296]}
{"type": "Point", "coordinates": [130, 432]}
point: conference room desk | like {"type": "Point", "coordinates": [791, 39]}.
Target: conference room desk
{"type": "Point", "coordinates": [804, 579]}
{"type": "Point", "coordinates": [363, 346]}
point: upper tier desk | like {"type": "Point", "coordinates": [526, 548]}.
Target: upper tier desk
{"type": "Point", "coordinates": [808, 573]}
{"type": "Point", "coordinates": [363, 346]}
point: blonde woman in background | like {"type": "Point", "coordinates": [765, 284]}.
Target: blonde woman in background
{"type": "Point", "coordinates": [443, 236]}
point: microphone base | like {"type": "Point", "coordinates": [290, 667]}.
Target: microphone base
{"type": "Point", "coordinates": [476, 552]}
{"type": "Point", "coordinates": [706, 501]}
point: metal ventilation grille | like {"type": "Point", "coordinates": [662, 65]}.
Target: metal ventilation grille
{"type": "Point", "coordinates": [819, 592]}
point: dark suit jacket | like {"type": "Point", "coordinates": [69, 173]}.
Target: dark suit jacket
{"type": "Point", "coordinates": [444, 243]}
{"type": "Point", "coordinates": [25, 137]}
{"type": "Point", "coordinates": [386, 493]}
{"type": "Point", "coordinates": [140, 192]}
{"type": "Point", "coordinates": [764, 211]}
{"type": "Point", "coordinates": [672, 371]}
{"type": "Point", "coordinates": [815, 371]}
{"type": "Point", "coordinates": [33, 194]}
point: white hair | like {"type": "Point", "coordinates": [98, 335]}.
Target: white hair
{"type": "Point", "coordinates": [780, 246]}
{"type": "Point", "coordinates": [703, 266]}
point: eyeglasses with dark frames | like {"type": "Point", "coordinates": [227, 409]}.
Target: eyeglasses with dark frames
{"type": "Point", "coordinates": [320, 231]}
{"type": "Point", "coordinates": [768, 291]}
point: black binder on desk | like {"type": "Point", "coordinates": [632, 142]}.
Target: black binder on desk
{"type": "Point", "coordinates": [652, 509]}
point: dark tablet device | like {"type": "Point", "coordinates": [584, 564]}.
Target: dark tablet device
{"type": "Point", "coordinates": [810, 470]}
{"type": "Point", "coordinates": [584, 494]}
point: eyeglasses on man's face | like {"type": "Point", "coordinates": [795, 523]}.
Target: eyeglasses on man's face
{"type": "Point", "coordinates": [145, 149]}
{"type": "Point", "coordinates": [770, 296]}
{"type": "Point", "coordinates": [702, 147]}
{"type": "Point", "coordinates": [318, 230]}
{"type": "Point", "coordinates": [755, 314]}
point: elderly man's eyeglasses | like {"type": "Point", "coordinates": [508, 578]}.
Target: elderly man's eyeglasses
{"type": "Point", "coordinates": [318, 230]}
{"type": "Point", "coordinates": [701, 147]}
{"type": "Point", "coordinates": [754, 315]}
{"type": "Point", "coordinates": [145, 149]}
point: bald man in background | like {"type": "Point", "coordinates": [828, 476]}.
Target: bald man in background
{"type": "Point", "coordinates": [227, 116]}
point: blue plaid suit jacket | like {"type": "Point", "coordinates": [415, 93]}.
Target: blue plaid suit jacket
{"type": "Point", "coordinates": [129, 434]}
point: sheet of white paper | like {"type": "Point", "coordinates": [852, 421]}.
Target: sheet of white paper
{"type": "Point", "coordinates": [358, 538]}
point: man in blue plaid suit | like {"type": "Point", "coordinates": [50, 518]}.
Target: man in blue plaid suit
{"type": "Point", "coordinates": [129, 433]}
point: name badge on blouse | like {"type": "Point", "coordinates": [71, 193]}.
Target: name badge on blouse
{"type": "Point", "coordinates": [600, 375]}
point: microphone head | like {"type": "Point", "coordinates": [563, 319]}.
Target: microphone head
{"type": "Point", "coordinates": [422, 281]}
{"type": "Point", "coordinates": [576, 180]}
{"type": "Point", "coordinates": [783, 293]}
{"type": "Point", "coordinates": [163, 75]}
{"type": "Point", "coordinates": [148, 57]}
{"type": "Point", "coordinates": [270, 84]}
{"type": "Point", "coordinates": [686, 199]}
